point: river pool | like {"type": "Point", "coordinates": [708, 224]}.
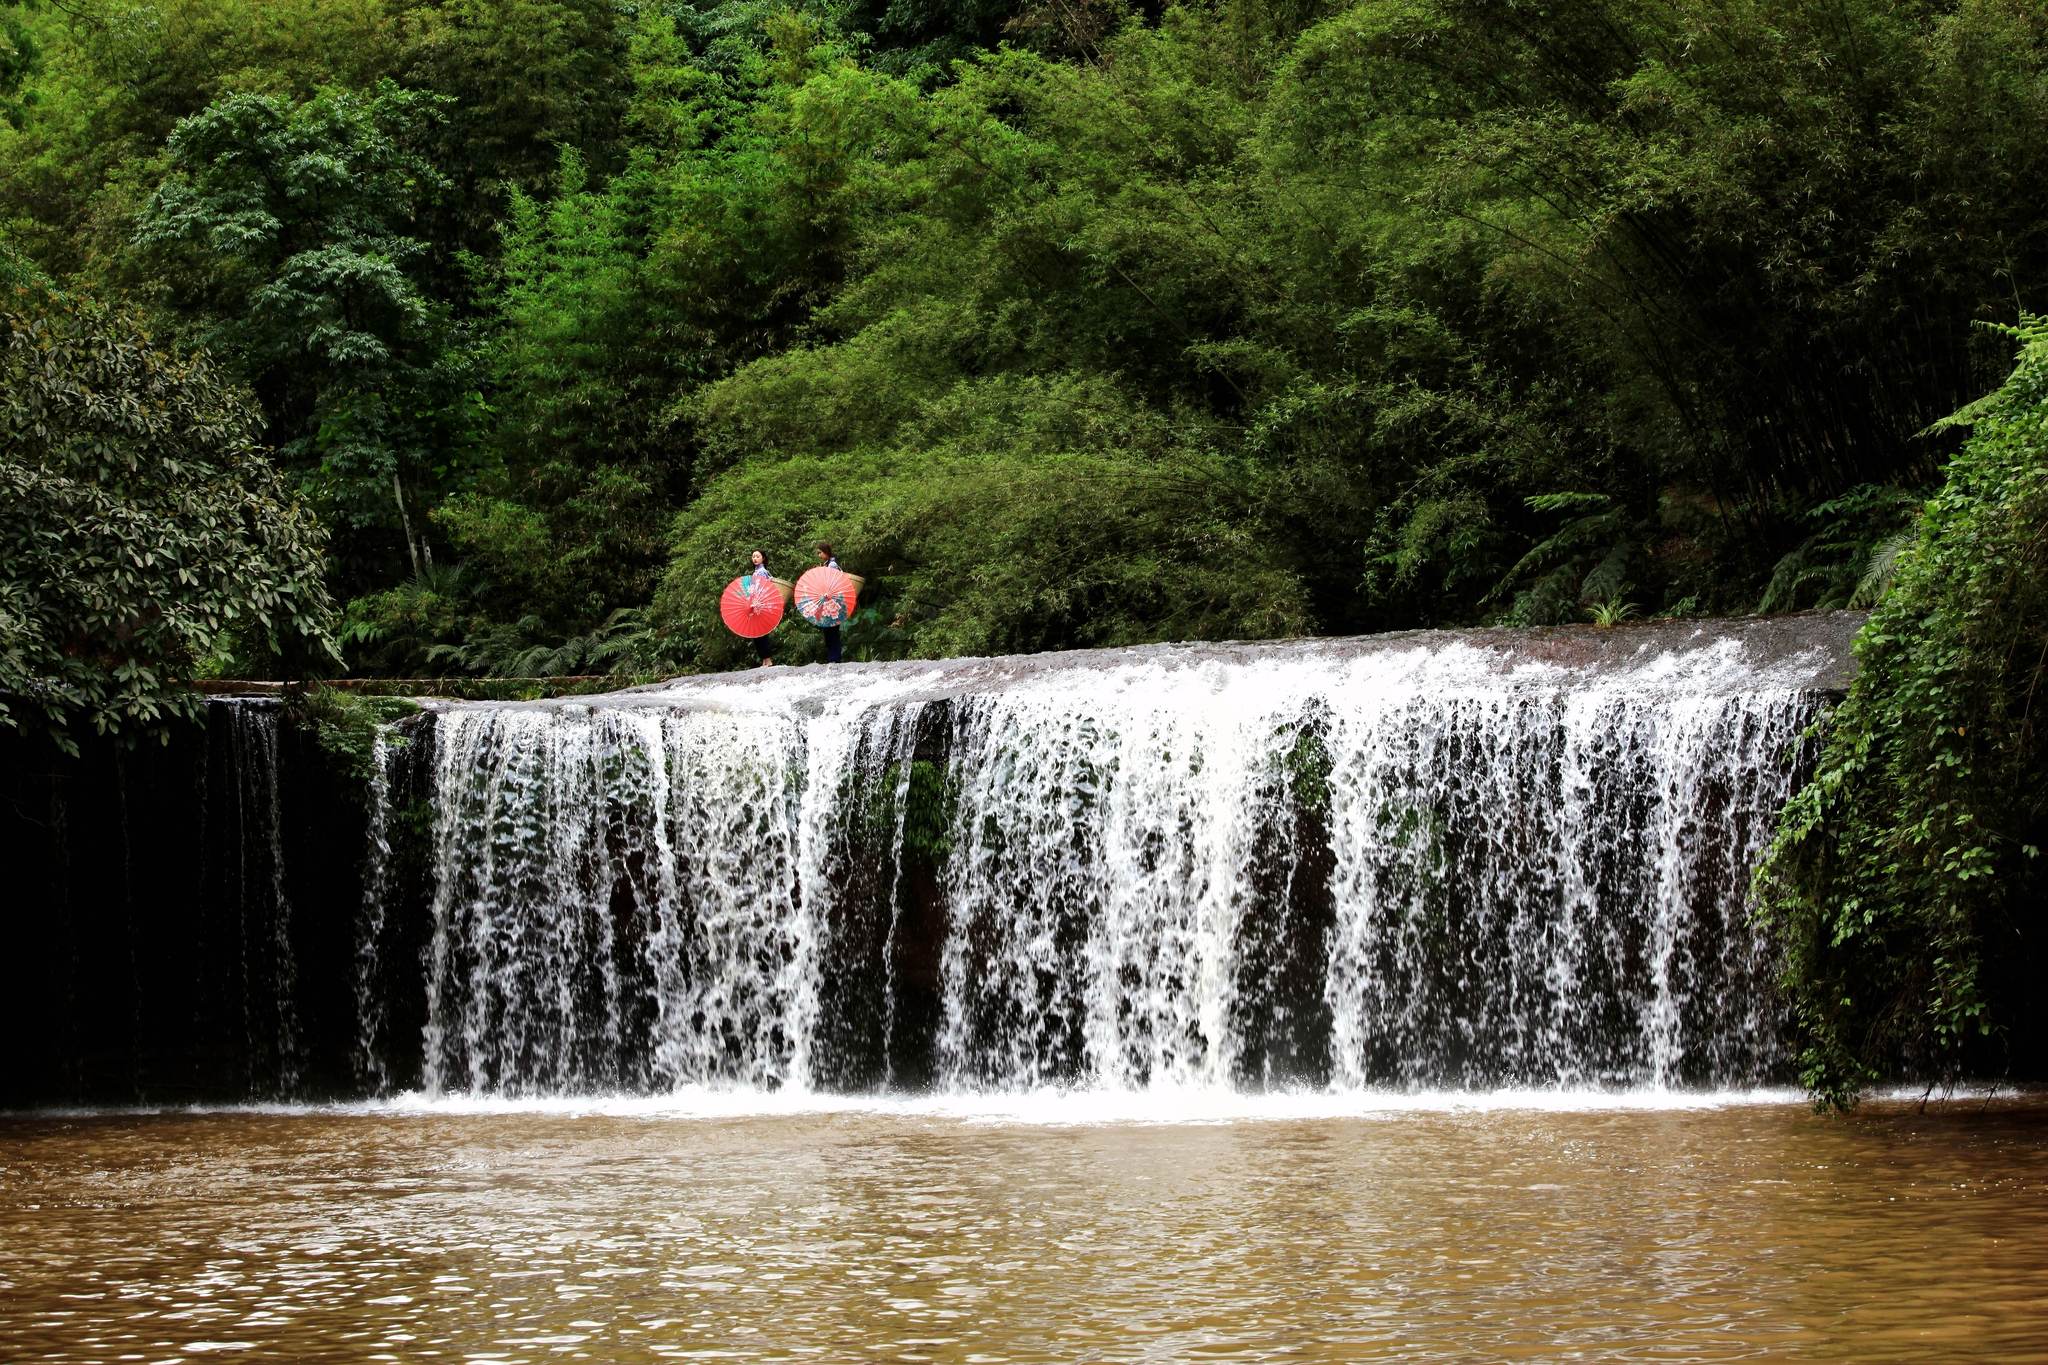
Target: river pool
{"type": "Point", "coordinates": [1030, 1229]}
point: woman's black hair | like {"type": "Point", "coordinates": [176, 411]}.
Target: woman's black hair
{"type": "Point", "coordinates": [825, 549]}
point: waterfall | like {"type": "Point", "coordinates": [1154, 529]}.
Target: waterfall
{"type": "Point", "coordinates": [371, 1015]}
{"type": "Point", "coordinates": [1106, 849]}
{"type": "Point", "coordinates": [1452, 860]}
{"type": "Point", "coordinates": [1464, 860]}
{"type": "Point", "coordinates": [1547, 882]}
{"type": "Point", "coordinates": [640, 896]}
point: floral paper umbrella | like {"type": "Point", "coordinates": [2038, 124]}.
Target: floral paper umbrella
{"type": "Point", "coordinates": [825, 595]}
{"type": "Point", "coordinates": [751, 606]}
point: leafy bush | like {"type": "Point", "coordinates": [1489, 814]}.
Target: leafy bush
{"type": "Point", "coordinates": [1585, 562]}
{"type": "Point", "coordinates": [140, 523]}
{"type": "Point", "coordinates": [394, 632]}
{"type": "Point", "coordinates": [1906, 879]}
{"type": "Point", "coordinates": [433, 625]}
{"type": "Point", "coordinates": [347, 726]}
{"type": "Point", "coordinates": [524, 649]}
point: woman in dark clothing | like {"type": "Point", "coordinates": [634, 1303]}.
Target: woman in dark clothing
{"type": "Point", "coordinates": [830, 561]}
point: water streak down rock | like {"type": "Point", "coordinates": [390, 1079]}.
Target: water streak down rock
{"type": "Point", "coordinates": [182, 915]}
{"type": "Point", "coordinates": [1437, 859]}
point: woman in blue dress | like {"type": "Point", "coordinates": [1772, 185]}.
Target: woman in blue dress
{"type": "Point", "coordinates": [830, 561]}
{"type": "Point", "coordinates": [762, 583]}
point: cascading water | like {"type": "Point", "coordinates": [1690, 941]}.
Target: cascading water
{"type": "Point", "coordinates": [372, 1018]}
{"type": "Point", "coordinates": [1547, 882]}
{"type": "Point", "coordinates": [1465, 860]}
{"type": "Point", "coordinates": [638, 896]}
{"type": "Point", "coordinates": [1470, 860]}
{"type": "Point", "coordinates": [1105, 859]}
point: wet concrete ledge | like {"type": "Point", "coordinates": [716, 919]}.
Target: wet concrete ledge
{"type": "Point", "coordinates": [1816, 647]}
{"type": "Point", "coordinates": [1809, 651]}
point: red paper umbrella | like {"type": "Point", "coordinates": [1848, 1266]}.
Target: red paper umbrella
{"type": "Point", "coordinates": [825, 595]}
{"type": "Point", "coordinates": [751, 606]}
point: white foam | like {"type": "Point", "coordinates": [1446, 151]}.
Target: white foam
{"type": "Point", "coordinates": [1056, 1108]}
{"type": "Point", "coordinates": [1036, 1108]}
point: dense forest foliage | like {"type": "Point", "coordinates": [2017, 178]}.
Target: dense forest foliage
{"type": "Point", "coordinates": [1070, 322]}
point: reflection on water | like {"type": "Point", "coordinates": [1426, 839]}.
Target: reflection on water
{"type": "Point", "coordinates": [1639, 1233]}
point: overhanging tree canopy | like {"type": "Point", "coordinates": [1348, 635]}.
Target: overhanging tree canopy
{"type": "Point", "coordinates": [140, 522]}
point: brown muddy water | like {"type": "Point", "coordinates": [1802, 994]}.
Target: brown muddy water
{"type": "Point", "coordinates": [1054, 1230]}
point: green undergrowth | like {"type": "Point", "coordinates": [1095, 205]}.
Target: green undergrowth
{"type": "Point", "coordinates": [1906, 879]}
{"type": "Point", "coordinates": [346, 726]}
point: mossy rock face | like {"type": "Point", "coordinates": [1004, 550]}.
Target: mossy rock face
{"type": "Point", "coordinates": [1418, 830]}
{"type": "Point", "coordinates": [414, 821]}
{"type": "Point", "coordinates": [932, 802]}
{"type": "Point", "coordinates": [1306, 766]}
{"type": "Point", "coordinates": [1281, 1016]}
